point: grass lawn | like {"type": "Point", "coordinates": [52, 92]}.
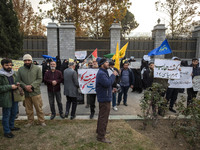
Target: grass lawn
{"type": "Point", "coordinates": [75, 135]}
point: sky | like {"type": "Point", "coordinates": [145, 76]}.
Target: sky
{"type": "Point", "coordinates": [144, 11]}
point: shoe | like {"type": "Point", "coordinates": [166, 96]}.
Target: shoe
{"type": "Point", "coordinates": [115, 108]}
{"type": "Point", "coordinates": [52, 117]}
{"type": "Point", "coordinates": [66, 115]}
{"type": "Point", "coordinates": [72, 117]}
{"type": "Point", "coordinates": [28, 125]}
{"type": "Point", "coordinates": [15, 129]}
{"type": "Point", "coordinates": [118, 104]}
{"type": "Point", "coordinates": [62, 116]}
{"type": "Point", "coordinates": [125, 104]}
{"type": "Point", "coordinates": [172, 110]}
{"type": "Point", "coordinates": [104, 141]}
{"type": "Point", "coordinates": [87, 106]}
{"type": "Point", "coordinates": [9, 135]}
{"type": "Point", "coordinates": [91, 115]}
{"type": "Point", "coordinates": [43, 124]}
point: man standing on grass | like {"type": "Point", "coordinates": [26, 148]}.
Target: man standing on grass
{"type": "Point", "coordinates": [7, 86]}
{"type": "Point", "coordinates": [52, 79]}
{"type": "Point", "coordinates": [104, 96]}
{"type": "Point", "coordinates": [30, 77]}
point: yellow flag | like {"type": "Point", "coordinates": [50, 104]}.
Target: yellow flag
{"type": "Point", "coordinates": [71, 60]}
{"type": "Point", "coordinates": [122, 51]}
{"type": "Point", "coordinates": [117, 57]}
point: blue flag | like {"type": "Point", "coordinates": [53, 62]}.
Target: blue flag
{"type": "Point", "coordinates": [164, 48]}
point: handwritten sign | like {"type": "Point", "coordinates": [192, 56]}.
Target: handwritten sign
{"type": "Point", "coordinates": [135, 65]}
{"type": "Point", "coordinates": [196, 83]}
{"type": "Point", "coordinates": [81, 54]}
{"type": "Point", "coordinates": [185, 80]}
{"type": "Point", "coordinates": [17, 64]}
{"type": "Point", "coordinates": [87, 80]}
{"type": "Point", "coordinates": [166, 69]}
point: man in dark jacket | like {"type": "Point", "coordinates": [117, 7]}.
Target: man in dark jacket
{"type": "Point", "coordinates": [10, 107]}
{"type": "Point", "coordinates": [52, 79]}
{"type": "Point", "coordinates": [196, 72]}
{"type": "Point", "coordinates": [71, 89]}
{"type": "Point", "coordinates": [104, 97]}
{"type": "Point", "coordinates": [126, 81]}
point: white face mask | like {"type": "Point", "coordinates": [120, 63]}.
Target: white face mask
{"type": "Point", "coordinates": [52, 68]}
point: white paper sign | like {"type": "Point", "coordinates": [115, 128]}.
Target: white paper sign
{"type": "Point", "coordinates": [135, 65]}
{"type": "Point", "coordinates": [80, 54]}
{"type": "Point", "coordinates": [87, 80]}
{"type": "Point", "coordinates": [196, 83]}
{"type": "Point", "coordinates": [185, 80]}
{"type": "Point", "coordinates": [166, 69]}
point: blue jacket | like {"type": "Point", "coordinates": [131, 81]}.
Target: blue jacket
{"type": "Point", "coordinates": [104, 85]}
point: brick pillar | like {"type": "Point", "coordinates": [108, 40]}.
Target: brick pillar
{"type": "Point", "coordinates": [158, 34]}
{"type": "Point", "coordinates": [67, 40]}
{"type": "Point", "coordinates": [196, 34]}
{"type": "Point", "coordinates": [115, 34]}
{"type": "Point", "coordinates": [52, 39]}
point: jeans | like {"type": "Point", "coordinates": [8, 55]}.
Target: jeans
{"type": "Point", "coordinates": [73, 101]}
{"type": "Point", "coordinates": [124, 91]}
{"type": "Point", "coordinates": [51, 96]}
{"type": "Point", "coordinates": [114, 99]}
{"type": "Point", "coordinates": [9, 115]}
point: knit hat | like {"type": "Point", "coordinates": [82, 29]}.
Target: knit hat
{"type": "Point", "coordinates": [101, 61]}
{"type": "Point", "coordinates": [27, 57]}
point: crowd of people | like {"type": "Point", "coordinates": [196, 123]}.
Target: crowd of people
{"type": "Point", "coordinates": [112, 86]}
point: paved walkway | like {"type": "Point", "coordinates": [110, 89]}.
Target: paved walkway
{"type": "Point", "coordinates": [130, 111]}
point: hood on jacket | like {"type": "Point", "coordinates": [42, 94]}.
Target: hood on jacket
{"type": "Point", "coordinates": [8, 74]}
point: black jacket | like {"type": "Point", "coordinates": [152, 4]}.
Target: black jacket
{"type": "Point", "coordinates": [147, 78]}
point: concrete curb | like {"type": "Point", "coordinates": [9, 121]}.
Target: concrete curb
{"type": "Point", "coordinates": [111, 117]}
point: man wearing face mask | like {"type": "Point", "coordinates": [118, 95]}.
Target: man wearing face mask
{"type": "Point", "coordinates": [30, 77]}
{"type": "Point", "coordinates": [7, 85]}
{"type": "Point", "coordinates": [52, 79]}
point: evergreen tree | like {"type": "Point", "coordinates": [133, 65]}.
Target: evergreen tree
{"type": "Point", "coordinates": [11, 40]}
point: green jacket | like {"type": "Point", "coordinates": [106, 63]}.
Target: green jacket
{"type": "Point", "coordinates": [5, 91]}
{"type": "Point", "coordinates": [32, 76]}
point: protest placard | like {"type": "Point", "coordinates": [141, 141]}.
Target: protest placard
{"type": "Point", "coordinates": [87, 80]}
{"type": "Point", "coordinates": [80, 54]}
{"type": "Point", "coordinates": [196, 83]}
{"type": "Point", "coordinates": [17, 64]}
{"type": "Point", "coordinates": [185, 80]}
{"type": "Point", "coordinates": [166, 69]}
{"type": "Point", "coordinates": [135, 65]}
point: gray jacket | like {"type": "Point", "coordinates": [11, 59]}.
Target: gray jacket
{"type": "Point", "coordinates": [70, 83]}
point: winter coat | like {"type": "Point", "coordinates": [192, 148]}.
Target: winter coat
{"type": "Point", "coordinates": [131, 76]}
{"type": "Point", "coordinates": [50, 76]}
{"type": "Point", "coordinates": [33, 77]}
{"type": "Point", "coordinates": [104, 85]}
{"type": "Point", "coordinates": [70, 83]}
{"type": "Point", "coordinates": [5, 91]}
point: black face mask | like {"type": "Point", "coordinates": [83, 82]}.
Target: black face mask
{"type": "Point", "coordinates": [27, 66]}
{"type": "Point", "coordinates": [8, 69]}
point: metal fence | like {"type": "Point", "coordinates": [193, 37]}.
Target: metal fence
{"type": "Point", "coordinates": [138, 47]}
{"type": "Point", "coordinates": [89, 45]}
{"type": "Point", "coordinates": [35, 46]}
{"type": "Point", "coordinates": [183, 48]}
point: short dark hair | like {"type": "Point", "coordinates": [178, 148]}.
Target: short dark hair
{"type": "Point", "coordinates": [151, 63]}
{"type": "Point", "coordinates": [194, 59]}
{"type": "Point", "coordinates": [6, 61]}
